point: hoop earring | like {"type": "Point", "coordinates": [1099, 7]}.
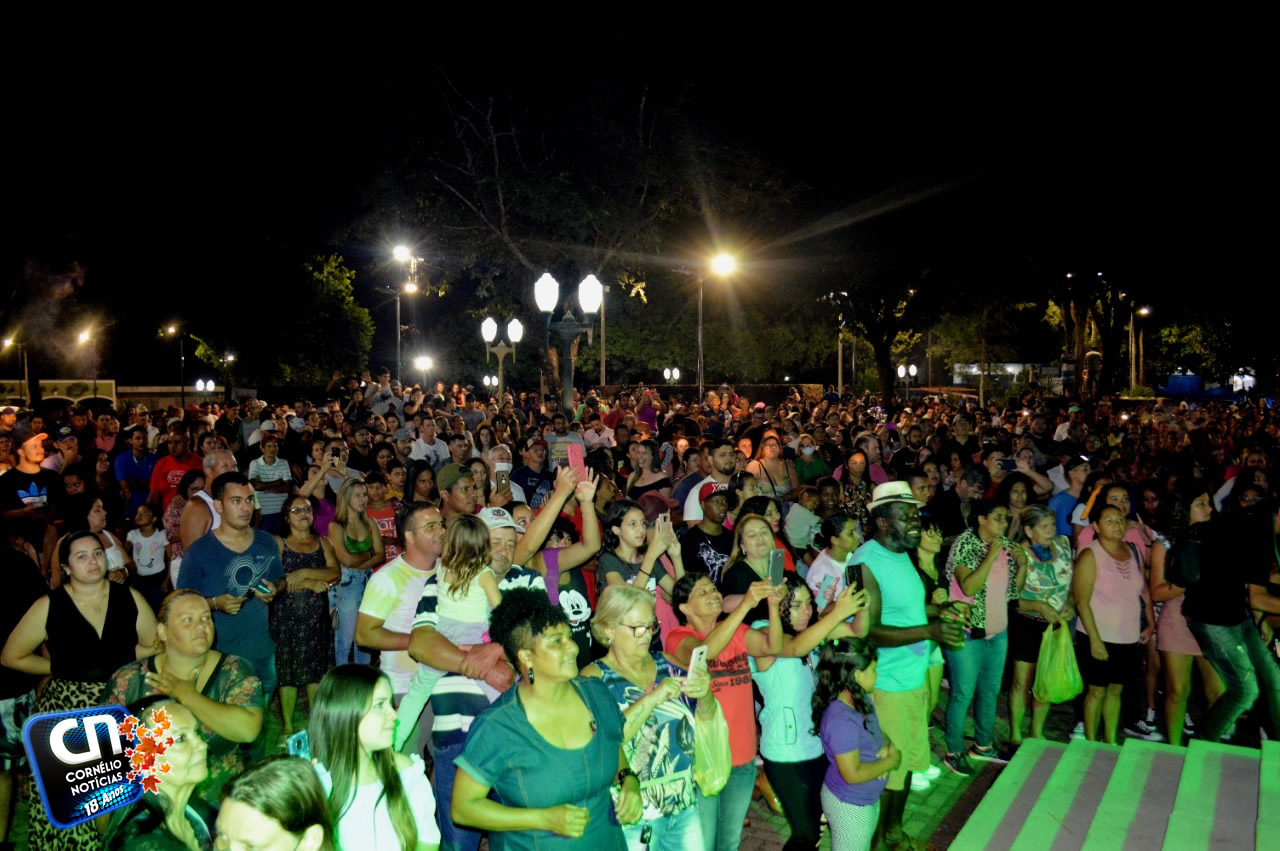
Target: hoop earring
{"type": "Point", "coordinates": [530, 677]}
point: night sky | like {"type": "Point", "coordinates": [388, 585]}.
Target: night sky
{"type": "Point", "coordinates": [178, 197]}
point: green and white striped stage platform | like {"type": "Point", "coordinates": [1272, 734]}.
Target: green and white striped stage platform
{"type": "Point", "coordinates": [1139, 797]}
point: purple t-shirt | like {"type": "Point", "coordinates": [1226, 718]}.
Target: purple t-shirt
{"type": "Point", "coordinates": [841, 732]}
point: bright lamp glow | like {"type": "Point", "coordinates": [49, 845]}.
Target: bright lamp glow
{"type": "Point", "coordinates": [912, 370]}
{"type": "Point", "coordinates": [84, 336]}
{"type": "Point", "coordinates": [590, 294]}
{"type": "Point", "coordinates": [172, 329]}
{"type": "Point", "coordinates": [546, 292]}
{"type": "Point", "coordinates": [199, 385]}
{"type": "Point", "coordinates": [515, 330]}
{"type": "Point", "coordinates": [666, 373]}
{"type": "Point", "coordinates": [1144, 311]}
{"type": "Point", "coordinates": [231, 359]}
{"type": "Point", "coordinates": [486, 381]}
{"type": "Point", "coordinates": [489, 329]}
{"type": "Point", "coordinates": [675, 373]}
{"type": "Point", "coordinates": [8, 341]}
{"type": "Point", "coordinates": [401, 253]}
{"type": "Point", "coordinates": [422, 363]}
{"type": "Point", "coordinates": [902, 371]}
{"type": "Point", "coordinates": [724, 264]}
{"type": "Point", "coordinates": [410, 287]}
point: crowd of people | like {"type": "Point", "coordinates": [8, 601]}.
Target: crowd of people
{"type": "Point", "coordinates": [617, 623]}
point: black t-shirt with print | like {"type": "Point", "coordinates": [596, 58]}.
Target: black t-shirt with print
{"type": "Point", "coordinates": [706, 553]}
{"type": "Point", "coordinates": [42, 489]}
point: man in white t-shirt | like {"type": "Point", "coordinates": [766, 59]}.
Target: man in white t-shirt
{"type": "Point", "coordinates": [427, 447]}
{"type": "Point", "coordinates": [390, 600]}
{"type": "Point", "coordinates": [723, 463]}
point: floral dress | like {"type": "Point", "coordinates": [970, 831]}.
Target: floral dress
{"type": "Point", "coordinates": [301, 625]}
{"type": "Point", "coordinates": [853, 499]}
{"type": "Point", "coordinates": [232, 682]}
{"type": "Point", "coordinates": [661, 753]}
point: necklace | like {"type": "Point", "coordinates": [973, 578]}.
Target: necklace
{"type": "Point", "coordinates": [98, 606]}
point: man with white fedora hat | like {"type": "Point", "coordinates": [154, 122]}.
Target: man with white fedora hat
{"type": "Point", "coordinates": [902, 624]}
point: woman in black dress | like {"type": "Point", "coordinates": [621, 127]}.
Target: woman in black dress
{"type": "Point", "coordinates": [301, 623]}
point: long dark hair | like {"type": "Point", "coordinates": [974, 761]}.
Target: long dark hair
{"type": "Point", "coordinates": [836, 665]}
{"type": "Point", "coordinates": [791, 583]}
{"type": "Point", "coordinates": [342, 700]}
{"type": "Point", "coordinates": [613, 517]}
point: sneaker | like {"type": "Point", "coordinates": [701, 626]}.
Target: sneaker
{"type": "Point", "coordinates": [991, 754]}
{"type": "Point", "coordinates": [1078, 731]}
{"type": "Point", "coordinates": [931, 774]}
{"type": "Point", "coordinates": [958, 763]}
{"type": "Point", "coordinates": [1188, 725]}
{"type": "Point", "coordinates": [1142, 730]}
{"type": "Point", "coordinates": [919, 782]}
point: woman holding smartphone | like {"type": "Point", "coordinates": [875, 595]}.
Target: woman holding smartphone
{"type": "Point", "coordinates": [754, 544]}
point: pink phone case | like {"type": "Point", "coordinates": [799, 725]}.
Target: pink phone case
{"type": "Point", "coordinates": [576, 458]}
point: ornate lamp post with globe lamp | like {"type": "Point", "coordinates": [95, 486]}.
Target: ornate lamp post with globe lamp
{"type": "Point", "coordinates": [546, 292]}
{"type": "Point", "coordinates": [489, 331]}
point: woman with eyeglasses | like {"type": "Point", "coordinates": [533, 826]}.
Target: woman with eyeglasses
{"type": "Point", "coordinates": [658, 736]}
{"type": "Point", "coordinates": [300, 621]}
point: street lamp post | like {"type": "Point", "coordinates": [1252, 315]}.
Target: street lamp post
{"type": "Point", "coordinates": [903, 372]}
{"type": "Point", "coordinates": [671, 374]}
{"type": "Point", "coordinates": [546, 293]}
{"type": "Point", "coordinates": [84, 337]}
{"type": "Point", "coordinates": [403, 255]}
{"type": "Point", "coordinates": [174, 331]}
{"type": "Point", "coordinates": [489, 331]}
{"type": "Point", "coordinates": [26, 375]}
{"type": "Point", "coordinates": [723, 265]}
{"type": "Point", "coordinates": [1136, 372]}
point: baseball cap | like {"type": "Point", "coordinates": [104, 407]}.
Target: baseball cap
{"type": "Point", "coordinates": [401, 434]}
{"type": "Point", "coordinates": [450, 474]}
{"type": "Point", "coordinates": [1074, 409]}
{"type": "Point", "coordinates": [710, 489]}
{"type": "Point", "coordinates": [1074, 461]}
{"type": "Point", "coordinates": [270, 425]}
{"type": "Point", "coordinates": [497, 518]}
{"type": "Point", "coordinates": [8, 409]}
{"type": "Point", "coordinates": [65, 432]}
{"type": "Point", "coordinates": [22, 432]}
{"type": "Point", "coordinates": [538, 442]}
{"type": "Point", "coordinates": [759, 406]}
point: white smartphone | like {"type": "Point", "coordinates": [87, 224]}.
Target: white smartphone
{"type": "Point", "coordinates": [698, 661]}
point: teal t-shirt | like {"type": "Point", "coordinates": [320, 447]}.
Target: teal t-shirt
{"type": "Point", "coordinates": [901, 604]}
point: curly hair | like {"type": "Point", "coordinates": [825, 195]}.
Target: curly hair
{"type": "Point", "coordinates": [522, 616]}
{"type": "Point", "coordinates": [836, 665]}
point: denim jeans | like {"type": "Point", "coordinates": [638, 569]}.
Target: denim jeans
{"type": "Point", "coordinates": [677, 832]}
{"type": "Point", "coordinates": [452, 837]}
{"type": "Point", "coordinates": [976, 671]}
{"type": "Point", "coordinates": [349, 593]}
{"type": "Point", "coordinates": [1248, 669]}
{"type": "Point", "coordinates": [722, 814]}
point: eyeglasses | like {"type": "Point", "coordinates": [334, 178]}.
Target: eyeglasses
{"type": "Point", "coordinates": [433, 526]}
{"type": "Point", "coordinates": [300, 509]}
{"type": "Point", "coordinates": [642, 630]}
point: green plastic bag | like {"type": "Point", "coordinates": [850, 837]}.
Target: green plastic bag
{"type": "Point", "coordinates": [1057, 674]}
{"type": "Point", "coordinates": [712, 760]}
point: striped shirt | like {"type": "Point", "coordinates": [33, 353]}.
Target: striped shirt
{"type": "Point", "coordinates": [259, 469]}
{"type": "Point", "coordinates": [458, 700]}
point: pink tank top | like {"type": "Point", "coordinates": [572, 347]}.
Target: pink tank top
{"type": "Point", "coordinates": [1117, 596]}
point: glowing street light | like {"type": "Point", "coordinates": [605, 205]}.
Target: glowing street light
{"type": "Point", "coordinates": [404, 254]}
{"type": "Point", "coordinates": [546, 292]}
{"type": "Point", "coordinates": [84, 336]}
{"type": "Point", "coordinates": [489, 331]}
{"type": "Point", "coordinates": [722, 265]}
{"type": "Point", "coordinates": [9, 342]}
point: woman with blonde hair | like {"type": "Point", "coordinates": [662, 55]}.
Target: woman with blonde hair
{"type": "Point", "coordinates": [658, 730]}
{"type": "Point", "coordinates": [467, 588]}
{"type": "Point", "coordinates": [775, 475]}
{"type": "Point", "coordinates": [358, 545]}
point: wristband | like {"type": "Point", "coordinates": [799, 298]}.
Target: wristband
{"type": "Point", "coordinates": [623, 775]}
